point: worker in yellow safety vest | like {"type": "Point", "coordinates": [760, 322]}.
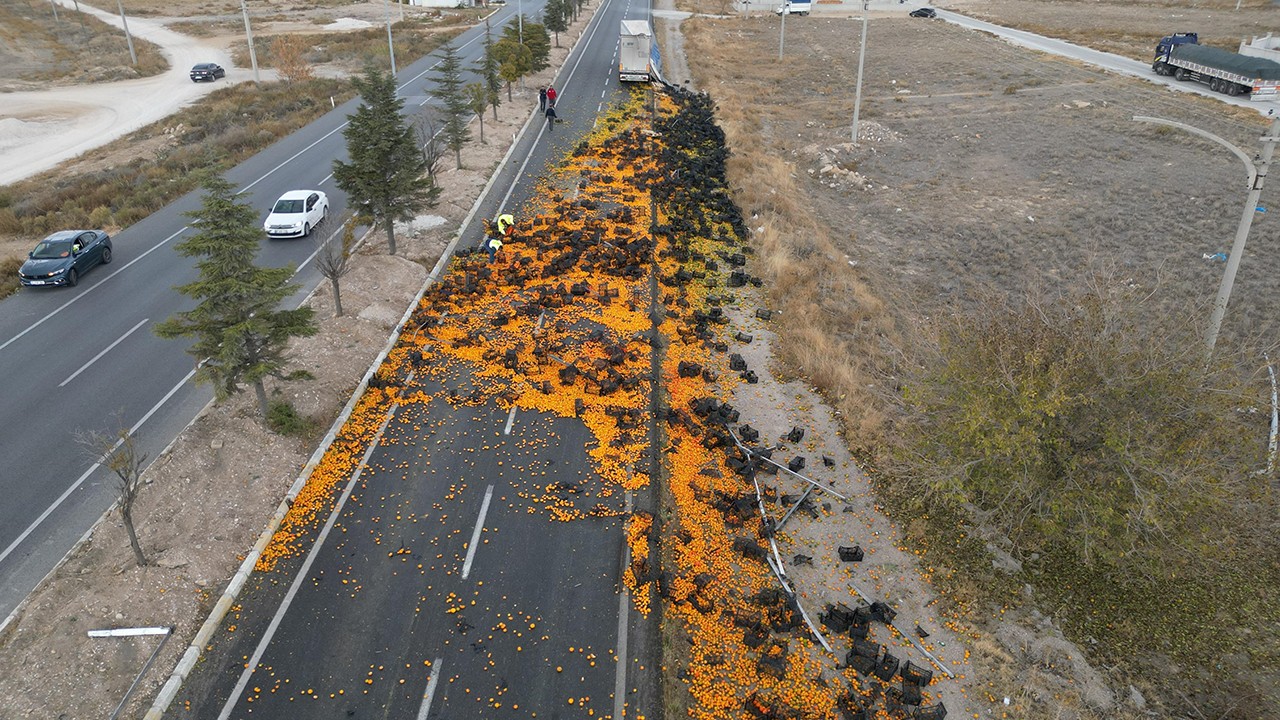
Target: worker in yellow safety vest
{"type": "Point", "coordinates": [506, 221]}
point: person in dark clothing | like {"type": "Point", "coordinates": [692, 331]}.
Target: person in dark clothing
{"type": "Point", "coordinates": [542, 99]}
{"type": "Point", "coordinates": [551, 117]}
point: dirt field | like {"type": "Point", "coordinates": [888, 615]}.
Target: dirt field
{"type": "Point", "coordinates": [1011, 170]}
{"type": "Point", "coordinates": [1129, 28]}
{"type": "Point", "coordinates": [980, 166]}
{"type": "Point", "coordinates": [37, 50]}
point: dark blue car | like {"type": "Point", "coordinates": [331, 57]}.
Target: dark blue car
{"type": "Point", "coordinates": [63, 257]}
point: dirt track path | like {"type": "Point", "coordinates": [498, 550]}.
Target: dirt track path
{"type": "Point", "coordinates": [40, 129]}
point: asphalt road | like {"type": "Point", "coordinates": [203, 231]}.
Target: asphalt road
{"type": "Point", "coordinates": [86, 358]}
{"type": "Point", "coordinates": [441, 589]}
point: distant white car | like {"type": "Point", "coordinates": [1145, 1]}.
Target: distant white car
{"type": "Point", "coordinates": [795, 7]}
{"type": "Point", "coordinates": [297, 213]}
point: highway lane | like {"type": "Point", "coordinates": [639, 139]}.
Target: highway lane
{"type": "Point", "coordinates": [385, 605]}
{"type": "Point", "coordinates": [53, 494]}
{"type": "Point", "coordinates": [444, 589]}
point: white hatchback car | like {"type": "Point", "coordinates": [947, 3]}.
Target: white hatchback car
{"type": "Point", "coordinates": [296, 213]}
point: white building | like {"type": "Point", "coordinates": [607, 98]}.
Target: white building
{"type": "Point", "coordinates": [1267, 47]}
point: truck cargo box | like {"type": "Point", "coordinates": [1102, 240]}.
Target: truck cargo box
{"type": "Point", "coordinates": [1252, 67]}
{"type": "Point", "coordinates": [635, 51]}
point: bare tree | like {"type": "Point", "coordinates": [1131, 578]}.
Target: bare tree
{"type": "Point", "coordinates": [334, 260]}
{"type": "Point", "coordinates": [119, 453]}
{"type": "Point", "coordinates": [428, 139]}
{"type": "Point", "coordinates": [290, 59]}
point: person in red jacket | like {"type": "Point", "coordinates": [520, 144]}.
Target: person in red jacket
{"type": "Point", "coordinates": [551, 96]}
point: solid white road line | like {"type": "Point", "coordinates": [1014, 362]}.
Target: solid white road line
{"type": "Point", "coordinates": [431, 689]}
{"type": "Point", "coordinates": [511, 418]}
{"type": "Point", "coordinates": [80, 481]}
{"type": "Point", "coordinates": [624, 604]}
{"type": "Point", "coordinates": [596, 18]}
{"type": "Point", "coordinates": [475, 534]}
{"type": "Point", "coordinates": [302, 572]}
{"type": "Point", "coordinates": [66, 493]}
{"type": "Point", "coordinates": [319, 246]}
{"type": "Point", "coordinates": [104, 352]}
{"type": "Point", "coordinates": [264, 176]}
{"type": "Point", "coordinates": [64, 305]}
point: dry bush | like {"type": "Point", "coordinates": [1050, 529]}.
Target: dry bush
{"type": "Point", "coordinates": [9, 276]}
{"type": "Point", "coordinates": [833, 320]}
{"type": "Point", "coordinates": [353, 49]}
{"type": "Point", "coordinates": [966, 186]}
{"type": "Point", "coordinates": [290, 58]}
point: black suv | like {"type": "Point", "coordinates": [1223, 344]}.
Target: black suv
{"type": "Point", "coordinates": [207, 71]}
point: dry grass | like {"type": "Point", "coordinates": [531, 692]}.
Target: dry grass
{"type": "Point", "coordinates": [958, 185]}
{"type": "Point", "coordinates": [9, 276]}
{"type": "Point", "coordinates": [77, 48]}
{"type": "Point", "coordinates": [207, 27]}
{"type": "Point", "coordinates": [829, 340]}
{"type": "Point", "coordinates": [413, 39]}
{"type": "Point", "coordinates": [1130, 27]}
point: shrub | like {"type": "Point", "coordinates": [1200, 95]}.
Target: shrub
{"type": "Point", "coordinates": [9, 223]}
{"type": "Point", "coordinates": [283, 419]}
{"type": "Point", "coordinates": [100, 217]}
{"type": "Point", "coordinates": [9, 276]}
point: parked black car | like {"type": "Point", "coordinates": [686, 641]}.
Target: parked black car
{"type": "Point", "coordinates": [63, 257]}
{"type": "Point", "coordinates": [207, 71]}
{"type": "Point", "coordinates": [924, 13]}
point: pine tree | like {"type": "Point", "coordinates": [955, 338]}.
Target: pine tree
{"type": "Point", "coordinates": [538, 41]}
{"type": "Point", "coordinates": [489, 67]}
{"type": "Point", "coordinates": [240, 334]}
{"type": "Point", "coordinates": [384, 179]}
{"type": "Point", "coordinates": [555, 16]}
{"type": "Point", "coordinates": [457, 110]}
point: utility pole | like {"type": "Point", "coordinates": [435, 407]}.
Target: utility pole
{"type": "Point", "coordinates": [1242, 233]}
{"type": "Point", "coordinates": [133, 55]}
{"type": "Point", "coordinates": [79, 16]}
{"type": "Point", "coordinates": [862, 56]}
{"type": "Point", "coordinates": [520, 19]}
{"type": "Point", "coordinates": [782, 33]}
{"type": "Point", "coordinates": [1257, 176]}
{"type": "Point", "coordinates": [253, 55]}
{"type": "Point", "coordinates": [386, 12]}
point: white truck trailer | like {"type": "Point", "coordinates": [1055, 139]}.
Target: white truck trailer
{"type": "Point", "coordinates": [638, 53]}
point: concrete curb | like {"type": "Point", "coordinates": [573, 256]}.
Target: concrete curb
{"type": "Point", "coordinates": [169, 691]}
{"type": "Point", "coordinates": [192, 654]}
